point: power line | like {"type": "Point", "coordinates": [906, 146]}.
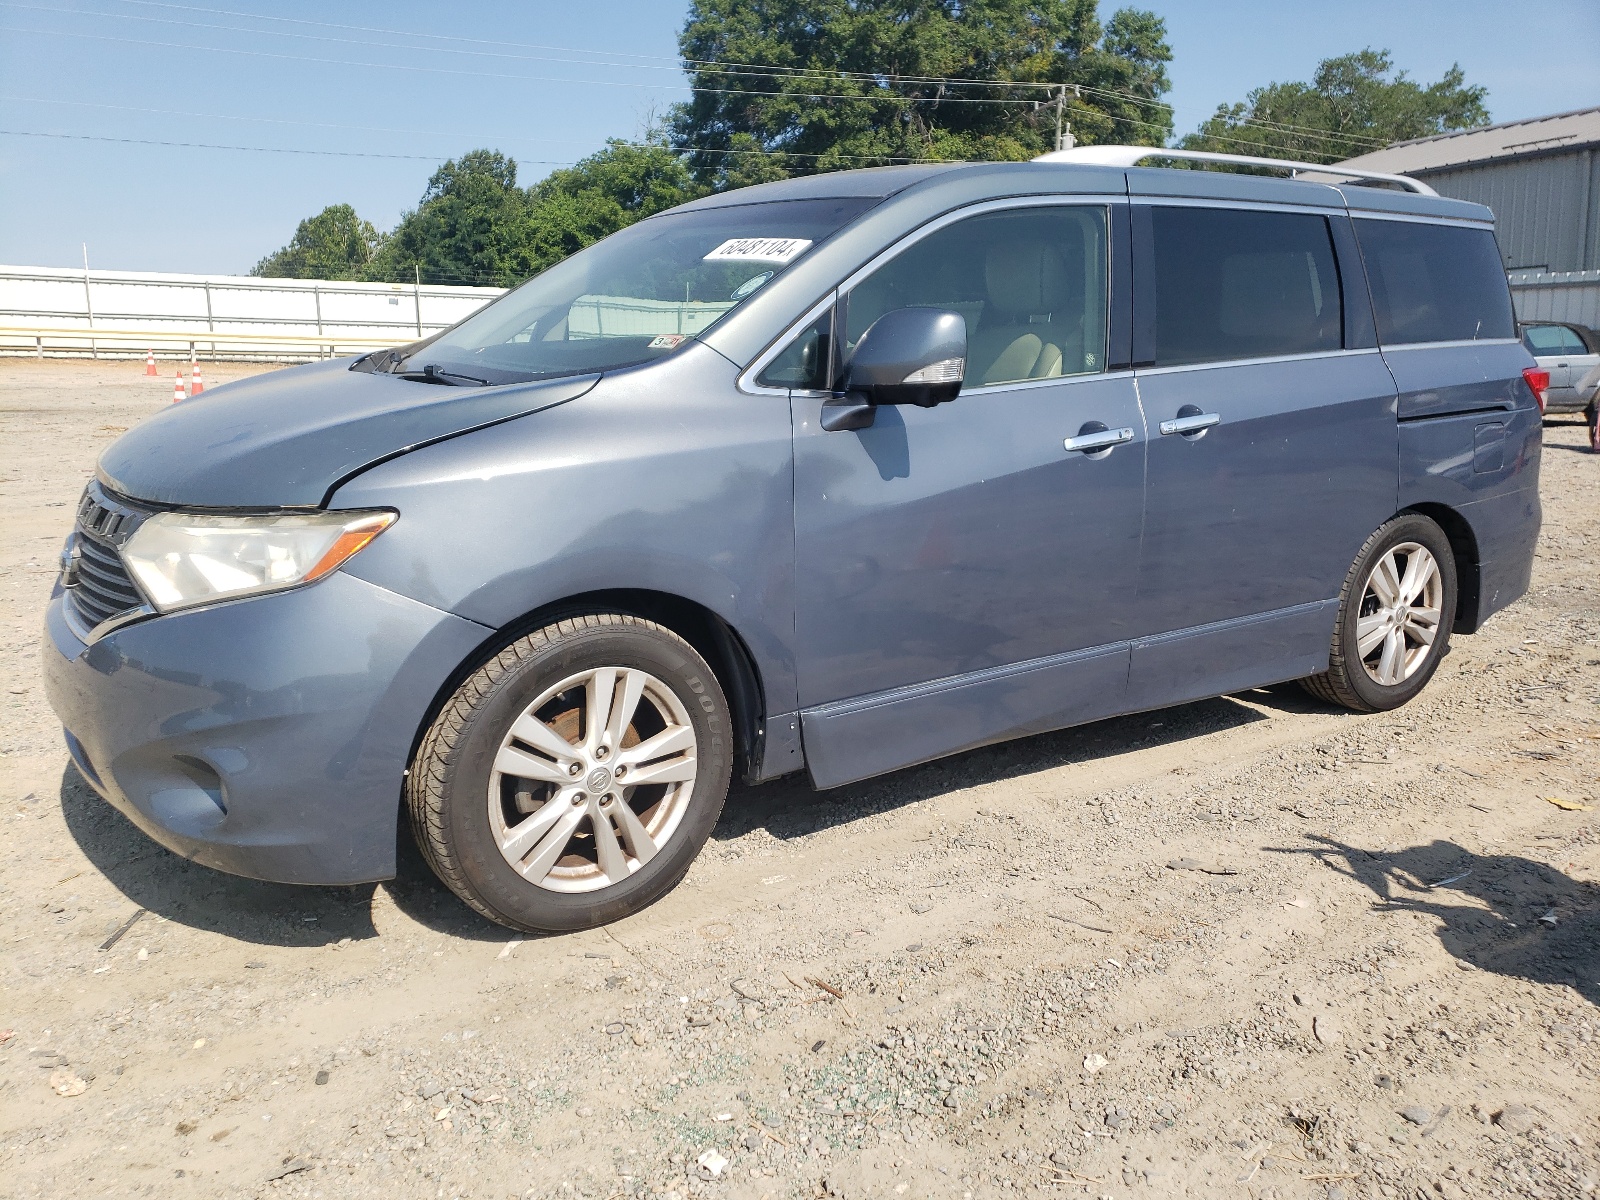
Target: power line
{"type": "Point", "coordinates": [175, 112]}
{"type": "Point", "coordinates": [85, 137]}
{"type": "Point", "coordinates": [708, 65]}
{"type": "Point", "coordinates": [758, 69]}
{"type": "Point", "coordinates": [89, 137]}
{"type": "Point", "coordinates": [676, 64]}
{"type": "Point", "coordinates": [337, 62]}
{"type": "Point", "coordinates": [446, 37]}
{"type": "Point", "coordinates": [1278, 127]}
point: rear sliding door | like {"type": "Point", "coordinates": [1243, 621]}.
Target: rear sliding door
{"type": "Point", "coordinates": [1273, 449]}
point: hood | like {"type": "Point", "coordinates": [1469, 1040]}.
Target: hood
{"type": "Point", "coordinates": [287, 438]}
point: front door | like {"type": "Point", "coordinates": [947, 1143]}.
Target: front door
{"type": "Point", "coordinates": [1273, 446]}
{"type": "Point", "coordinates": [964, 575]}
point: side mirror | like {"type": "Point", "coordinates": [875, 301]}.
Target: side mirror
{"type": "Point", "coordinates": [908, 356]}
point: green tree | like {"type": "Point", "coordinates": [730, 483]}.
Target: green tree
{"type": "Point", "coordinates": [1354, 104]}
{"type": "Point", "coordinates": [334, 244]}
{"type": "Point", "coordinates": [474, 225]}
{"type": "Point", "coordinates": [578, 205]}
{"type": "Point", "coordinates": [799, 86]}
{"type": "Point", "coordinates": [469, 228]}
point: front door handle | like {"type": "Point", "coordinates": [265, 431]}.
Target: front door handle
{"type": "Point", "coordinates": [1190, 423]}
{"type": "Point", "coordinates": [1102, 439]}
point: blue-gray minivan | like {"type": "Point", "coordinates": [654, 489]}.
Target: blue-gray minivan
{"type": "Point", "coordinates": [835, 475]}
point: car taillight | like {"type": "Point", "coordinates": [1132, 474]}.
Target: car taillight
{"type": "Point", "coordinates": [1538, 381]}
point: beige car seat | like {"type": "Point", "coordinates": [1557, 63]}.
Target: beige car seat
{"type": "Point", "coordinates": [1030, 322]}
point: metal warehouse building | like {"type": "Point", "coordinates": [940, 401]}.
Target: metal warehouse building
{"type": "Point", "coordinates": [1542, 178]}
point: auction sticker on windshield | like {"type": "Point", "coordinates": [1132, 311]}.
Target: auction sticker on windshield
{"type": "Point", "coordinates": [759, 249]}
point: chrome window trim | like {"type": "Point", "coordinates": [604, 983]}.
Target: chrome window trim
{"type": "Point", "coordinates": [746, 381]}
{"type": "Point", "coordinates": [1212, 364]}
{"type": "Point", "coordinates": [984, 389]}
{"type": "Point", "coordinates": [1016, 385]}
{"type": "Point", "coordinates": [1367, 214]}
{"type": "Point", "coordinates": [1396, 347]}
{"type": "Point", "coordinates": [1310, 210]}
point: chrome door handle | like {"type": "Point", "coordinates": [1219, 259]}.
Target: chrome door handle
{"type": "Point", "coordinates": [1103, 440]}
{"type": "Point", "coordinates": [1191, 424]}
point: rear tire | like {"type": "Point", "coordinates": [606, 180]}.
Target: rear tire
{"type": "Point", "coordinates": [572, 779]}
{"type": "Point", "coordinates": [1395, 612]}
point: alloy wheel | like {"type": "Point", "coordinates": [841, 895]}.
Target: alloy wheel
{"type": "Point", "coordinates": [592, 779]}
{"type": "Point", "coordinates": [1400, 613]}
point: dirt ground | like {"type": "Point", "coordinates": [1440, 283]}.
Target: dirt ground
{"type": "Point", "coordinates": [1250, 947]}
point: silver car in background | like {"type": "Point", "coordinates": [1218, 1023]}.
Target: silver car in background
{"type": "Point", "coordinates": [1571, 354]}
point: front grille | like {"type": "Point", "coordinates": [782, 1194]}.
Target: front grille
{"type": "Point", "coordinates": [102, 588]}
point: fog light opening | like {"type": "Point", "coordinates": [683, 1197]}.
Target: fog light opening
{"type": "Point", "coordinates": [204, 776]}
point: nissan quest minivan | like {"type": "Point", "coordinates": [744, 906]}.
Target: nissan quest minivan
{"type": "Point", "coordinates": [835, 475]}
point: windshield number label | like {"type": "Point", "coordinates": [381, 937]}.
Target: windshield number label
{"type": "Point", "coordinates": [758, 249]}
{"type": "Point", "coordinates": [666, 341]}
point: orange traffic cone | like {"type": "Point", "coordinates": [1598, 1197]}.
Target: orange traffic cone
{"type": "Point", "coordinates": [150, 363]}
{"type": "Point", "coordinates": [197, 386]}
{"type": "Point", "coordinates": [177, 387]}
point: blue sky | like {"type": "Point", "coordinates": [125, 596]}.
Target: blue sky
{"type": "Point", "coordinates": [205, 72]}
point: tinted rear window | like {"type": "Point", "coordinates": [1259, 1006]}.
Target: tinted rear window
{"type": "Point", "coordinates": [1435, 283]}
{"type": "Point", "coordinates": [1239, 284]}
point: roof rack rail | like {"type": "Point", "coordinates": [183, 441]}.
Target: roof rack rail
{"type": "Point", "coordinates": [1128, 156]}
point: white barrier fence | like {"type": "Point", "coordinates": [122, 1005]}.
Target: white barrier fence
{"type": "Point", "coordinates": [1570, 296]}
{"type": "Point", "coordinates": [63, 312]}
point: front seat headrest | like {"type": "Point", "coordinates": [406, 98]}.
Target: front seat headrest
{"type": "Point", "coordinates": [1025, 279]}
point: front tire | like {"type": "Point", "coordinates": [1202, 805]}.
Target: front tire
{"type": "Point", "coordinates": [1395, 612]}
{"type": "Point", "coordinates": [573, 778]}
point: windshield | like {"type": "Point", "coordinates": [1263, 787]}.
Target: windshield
{"type": "Point", "coordinates": [634, 297]}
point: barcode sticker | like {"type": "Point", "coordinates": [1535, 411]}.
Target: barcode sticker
{"type": "Point", "coordinates": [759, 249]}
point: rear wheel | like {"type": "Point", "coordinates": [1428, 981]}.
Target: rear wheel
{"type": "Point", "coordinates": [573, 778]}
{"type": "Point", "coordinates": [1395, 613]}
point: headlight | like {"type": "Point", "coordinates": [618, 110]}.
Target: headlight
{"type": "Point", "coordinates": [181, 559]}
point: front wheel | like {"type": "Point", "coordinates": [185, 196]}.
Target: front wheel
{"type": "Point", "coordinates": [573, 778]}
{"type": "Point", "coordinates": [1395, 613]}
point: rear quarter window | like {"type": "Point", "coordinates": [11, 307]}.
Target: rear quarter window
{"type": "Point", "coordinates": [1435, 283]}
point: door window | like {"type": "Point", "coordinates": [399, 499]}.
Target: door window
{"type": "Point", "coordinates": [1543, 339]}
{"type": "Point", "coordinates": [1233, 283]}
{"type": "Point", "coordinates": [1435, 283]}
{"type": "Point", "coordinates": [1571, 343]}
{"type": "Point", "coordinates": [804, 363]}
{"type": "Point", "coordinates": [1031, 283]}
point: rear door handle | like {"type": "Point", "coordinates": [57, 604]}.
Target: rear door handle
{"type": "Point", "coordinates": [1190, 424]}
{"type": "Point", "coordinates": [1103, 439]}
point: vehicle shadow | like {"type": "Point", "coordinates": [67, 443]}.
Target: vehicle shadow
{"type": "Point", "coordinates": [1503, 913]}
{"type": "Point", "coordinates": [249, 910]}
{"type": "Point", "coordinates": [789, 808]}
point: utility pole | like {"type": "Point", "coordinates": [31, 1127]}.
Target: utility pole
{"type": "Point", "coordinates": [88, 302]}
{"type": "Point", "coordinates": [1064, 138]}
{"type": "Point", "coordinates": [416, 293]}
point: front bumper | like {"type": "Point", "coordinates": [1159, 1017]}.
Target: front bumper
{"type": "Point", "coordinates": [265, 737]}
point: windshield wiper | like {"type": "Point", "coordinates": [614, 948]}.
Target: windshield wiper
{"type": "Point", "coordinates": [432, 374]}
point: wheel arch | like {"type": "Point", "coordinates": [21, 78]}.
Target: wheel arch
{"type": "Point", "coordinates": [712, 637]}
{"type": "Point", "coordinates": [1464, 548]}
